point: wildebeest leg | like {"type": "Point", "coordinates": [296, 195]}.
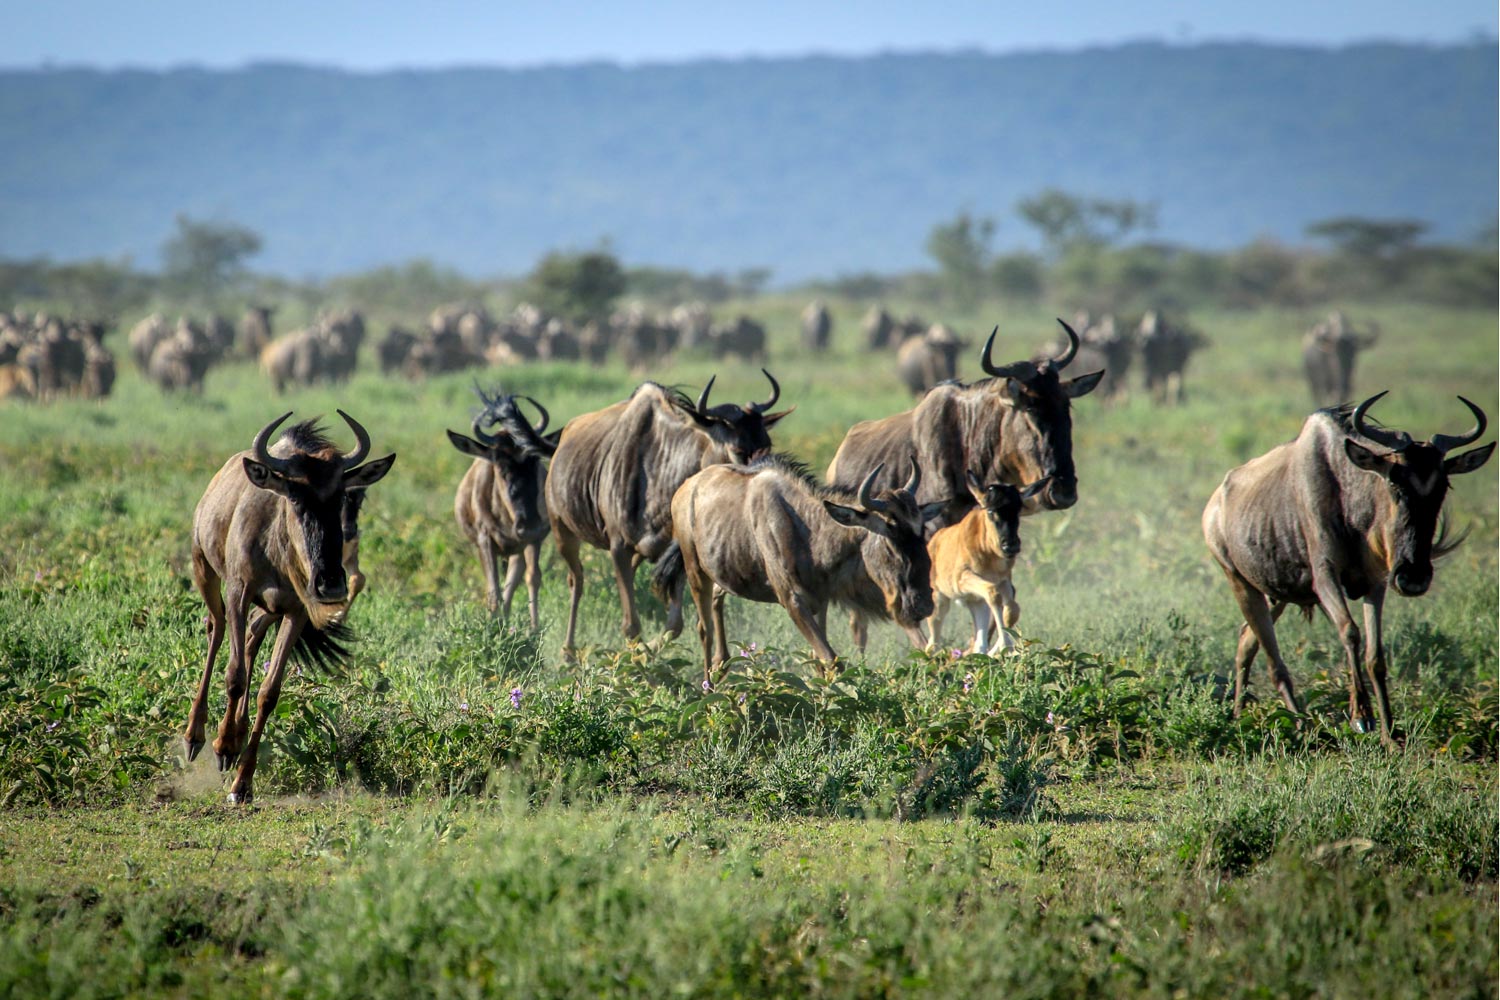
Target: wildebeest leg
{"type": "Point", "coordinates": [859, 631]}
{"type": "Point", "coordinates": [701, 587]}
{"type": "Point", "coordinates": [1262, 625]}
{"type": "Point", "coordinates": [1007, 612]}
{"type": "Point", "coordinates": [804, 611]}
{"type": "Point", "coordinates": [1375, 660]}
{"type": "Point", "coordinates": [1244, 655]}
{"type": "Point", "coordinates": [567, 547]}
{"type": "Point", "coordinates": [624, 559]}
{"type": "Point", "coordinates": [1331, 598]}
{"type": "Point", "coordinates": [231, 738]}
{"type": "Point", "coordinates": [533, 556]}
{"type": "Point", "coordinates": [259, 626]}
{"type": "Point", "coordinates": [721, 634]}
{"type": "Point", "coordinates": [209, 586]}
{"type": "Point", "coordinates": [514, 567]}
{"type": "Point", "coordinates": [242, 791]}
{"type": "Point", "coordinates": [940, 606]}
{"type": "Point", "coordinates": [487, 562]}
{"type": "Point", "coordinates": [979, 612]}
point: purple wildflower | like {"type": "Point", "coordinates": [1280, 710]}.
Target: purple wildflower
{"type": "Point", "coordinates": [968, 683]}
{"type": "Point", "coordinates": [463, 706]}
{"type": "Point", "coordinates": [956, 653]}
{"type": "Point", "coordinates": [741, 699]}
{"type": "Point", "coordinates": [515, 697]}
{"type": "Point", "coordinates": [53, 725]}
{"type": "Point", "coordinates": [707, 685]}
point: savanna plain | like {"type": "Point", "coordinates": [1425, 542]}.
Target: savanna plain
{"type": "Point", "coordinates": [460, 813]}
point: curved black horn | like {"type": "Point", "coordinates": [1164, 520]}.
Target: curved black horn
{"type": "Point", "coordinates": [1016, 369]}
{"type": "Point", "coordinates": [915, 481]}
{"type": "Point", "coordinates": [546, 417]}
{"type": "Point", "coordinates": [1447, 442]}
{"type": "Point", "coordinates": [258, 449]}
{"type": "Point", "coordinates": [361, 442]}
{"type": "Point", "coordinates": [1062, 362]}
{"type": "Point", "coordinates": [864, 498]}
{"type": "Point", "coordinates": [477, 428]}
{"type": "Point", "coordinates": [703, 398]}
{"type": "Point", "coordinates": [775, 394]}
{"type": "Point", "coordinates": [1394, 440]}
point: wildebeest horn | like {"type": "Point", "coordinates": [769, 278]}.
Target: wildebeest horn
{"type": "Point", "coordinates": [477, 427]}
{"type": "Point", "coordinates": [1394, 440]}
{"type": "Point", "coordinates": [546, 417]}
{"type": "Point", "coordinates": [258, 449]}
{"type": "Point", "coordinates": [1016, 369]}
{"type": "Point", "coordinates": [775, 394]}
{"type": "Point", "coordinates": [915, 480]}
{"type": "Point", "coordinates": [1446, 442]}
{"type": "Point", "coordinates": [703, 398]}
{"type": "Point", "coordinates": [867, 501]}
{"type": "Point", "coordinates": [1062, 362]}
{"type": "Point", "coordinates": [361, 442]}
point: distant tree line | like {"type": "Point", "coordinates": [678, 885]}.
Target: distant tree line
{"type": "Point", "coordinates": [1094, 254]}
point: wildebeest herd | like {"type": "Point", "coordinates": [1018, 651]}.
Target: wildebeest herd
{"type": "Point", "coordinates": [920, 509]}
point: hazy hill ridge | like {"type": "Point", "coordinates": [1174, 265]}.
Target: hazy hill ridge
{"type": "Point", "coordinates": [812, 166]}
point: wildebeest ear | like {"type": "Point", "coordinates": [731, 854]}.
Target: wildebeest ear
{"type": "Point", "coordinates": [370, 473]}
{"type": "Point", "coordinates": [1364, 458]}
{"type": "Point", "coordinates": [771, 419]}
{"type": "Point", "coordinates": [468, 445]}
{"type": "Point", "coordinates": [932, 511]}
{"type": "Point", "coordinates": [1469, 460]}
{"type": "Point", "coordinates": [976, 485]}
{"type": "Point", "coordinates": [849, 517]}
{"type": "Point", "coordinates": [1035, 488]}
{"type": "Point", "coordinates": [1082, 385]}
{"type": "Point", "coordinates": [264, 477]}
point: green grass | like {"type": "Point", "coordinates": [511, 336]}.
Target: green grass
{"type": "Point", "coordinates": [1086, 816]}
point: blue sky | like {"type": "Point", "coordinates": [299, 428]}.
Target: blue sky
{"type": "Point", "coordinates": [375, 34]}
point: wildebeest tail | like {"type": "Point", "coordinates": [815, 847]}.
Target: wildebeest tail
{"type": "Point", "coordinates": [668, 575]}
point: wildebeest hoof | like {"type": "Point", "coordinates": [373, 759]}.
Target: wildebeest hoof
{"type": "Point", "coordinates": [240, 798]}
{"type": "Point", "coordinates": [192, 748]}
{"type": "Point", "coordinates": [226, 761]}
{"type": "Point", "coordinates": [1362, 725]}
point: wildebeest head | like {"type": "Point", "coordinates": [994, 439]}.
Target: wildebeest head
{"type": "Point", "coordinates": [1002, 504]}
{"type": "Point", "coordinates": [1416, 473]}
{"type": "Point", "coordinates": [519, 468]}
{"type": "Point", "coordinates": [896, 553]}
{"type": "Point", "coordinates": [744, 431]}
{"type": "Point", "coordinates": [1038, 423]}
{"type": "Point", "coordinates": [315, 478]}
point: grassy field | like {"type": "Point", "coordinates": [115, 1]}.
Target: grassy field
{"type": "Point", "coordinates": [1084, 817]}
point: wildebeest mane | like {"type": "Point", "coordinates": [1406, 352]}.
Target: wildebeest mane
{"type": "Point", "coordinates": [800, 471]}
{"type": "Point", "coordinates": [306, 437]}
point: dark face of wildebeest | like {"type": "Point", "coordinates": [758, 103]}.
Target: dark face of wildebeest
{"type": "Point", "coordinates": [1037, 425]}
{"type": "Point", "coordinates": [744, 431]}
{"type": "Point", "coordinates": [519, 469]}
{"type": "Point", "coordinates": [316, 487]}
{"type": "Point", "coordinates": [1416, 475]}
{"type": "Point", "coordinates": [896, 555]}
{"type": "Point", "coordinates": [1002, 504]}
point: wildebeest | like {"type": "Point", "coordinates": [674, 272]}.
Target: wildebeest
{"type": "Point", "coordinates": [327, 351]}
{"type": "Point", "coordinates": [1013, 427]}
{"type": "Point", "coordinates": [500, 506]}
{"type": "Point", "coordinates": [1329, 351]}
{"type": "Point", "coordinates": [922, 362]}
{"type": "Point", "coordinates": [1330, 517]}
{"type": "Point", "coordinates": [1165, 349]}
{"type": "Point", "coordinates": [768, 533]}
{"type": "Point", "coordinates": [255, 331]}
{"type": "Point", "coordinates": [268, 534]}
{"type": "Point", "coordinates": [817, 326]}
{"type": "Point", "coordinates": [744, 338]}
{"type": "Point", "coordinates": [181, 360]}
{"type": "Point", "coordinates": [877, 326]}
{"type": "Point", "coordinates": [144, 337]}
{"type": "Point", "coordinates": [614, 471]}
{"type": "Point", "coordinates": [972, 563]}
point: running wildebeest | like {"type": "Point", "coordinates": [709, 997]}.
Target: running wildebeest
{"type": "Point", "coordinates": [972, 563]}
{"type": "Point", "coordinates": [1330, 517]}
{"type": "Point", "coordinates": [500, 506]}
{"type": "Point", "coordinates": [1014, 427]}
{"type": "Point", "coordinates": [768, 533]}
{"type": "Point", "coordinates": [268, 534]}
{"type": "Point", "coordinates": [614, 472]}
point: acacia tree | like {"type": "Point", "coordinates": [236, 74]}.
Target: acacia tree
{"type": "Point", "coordinates": [580, 286]}
{"type": "Point", "coordinates": [962, 251]}
{"type": "Point", "coordinates": [1068, 222]}
{"type": "Point", "coordinates": [204, 259]}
